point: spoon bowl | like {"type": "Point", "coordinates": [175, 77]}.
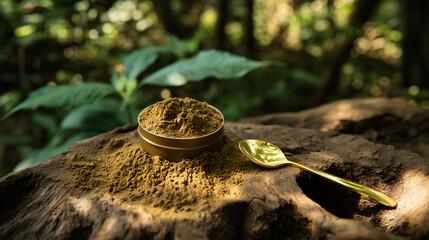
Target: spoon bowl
{"type": "Point", "coordinates": [270, 156]}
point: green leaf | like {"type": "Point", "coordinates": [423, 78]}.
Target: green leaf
{"type": "Point", "coordinates": [45, 153]}
{"type": "Point", "coordinates": [117, 83]}
{"type": "Point", "coordinates": [95, 117]}
{"type": "Point", "coordinates": [46, 122]}
{"type": "Point", "coordinates": [210, 63]}
{"type": "Point", "coordinates": [306, 77]}
{"type": "Point", "coordinates": [130, 87]}
{"type": "Point", "coordinates": [64, 96]}
{"type": "Point", "coordinates": [137, 61]}
{"type": "Point", "coordinates": [10, 99]}
{"type": "Point", "coordinates": [16, 140]}
{"type": "Point", "coordinates": [180, 46]}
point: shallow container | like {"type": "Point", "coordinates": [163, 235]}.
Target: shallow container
{"type": "Point", "coordinates": [175, 149]}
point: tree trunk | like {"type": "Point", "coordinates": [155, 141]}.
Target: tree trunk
{"type": "Point", "coordinates": [167, 17]}
{"type": "Point", "coordinates": [250, 40]}
{"type": "Point", "coordinates": [221, 23]}
{"type": "Point", "coordinates": [332, 73]}
{"type": "Point", "coordinates": [415, 44]}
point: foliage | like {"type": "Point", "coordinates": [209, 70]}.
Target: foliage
{"type": "Point", "coordinates": [64, 96]}
{"type": "Point", "coordinates": [211, 63]}
{"type": "Point", "coordinates": [92, 112]}
{"type": "Point", "coordinates": [84, 67]}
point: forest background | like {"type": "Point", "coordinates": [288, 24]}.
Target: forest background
{"type": "Point", "coordinates": [71, 69]}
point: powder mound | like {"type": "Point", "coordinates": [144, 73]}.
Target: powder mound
{"type": "Point", "coordinates": [181, 118]}
{"type": "Point", "coordinates": [134, 176]}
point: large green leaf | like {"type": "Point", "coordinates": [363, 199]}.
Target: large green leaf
{"type": "Point", "coordinates": [45, 122]}
{"type": "Point", "coordinates": [45, 153]}
{"type": "Point", "coordinates": [102, 116]}
{"type": "Point", "coordinates": [137, 61]}
{"type": "Point", "coordinates": [181, 46]}
{"type": "Point", "coordinates": [210, 63]}
{"type": "Point", "coordinates": [64, 96]}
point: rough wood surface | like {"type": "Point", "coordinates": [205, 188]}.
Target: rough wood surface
{"type": "Point", "coordinates": [286, 203]}
{"type": "Point", "coordinates": [384, 120]}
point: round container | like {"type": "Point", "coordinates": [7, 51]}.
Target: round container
{"type": "Point", "coordinates": [175, 149]}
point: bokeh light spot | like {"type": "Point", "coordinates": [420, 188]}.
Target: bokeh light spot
{"type": "Point", "coordinates": [165, 93]}
{"type": "Point", "coordinates": [376, 91]}
{"type": "Point", "coordinates": [24, 30]}
{"type": "Point", "coordinates": [384, 81]}
{"type": "Point", "coordinates": [413, 90]}
{"type": "Point", "coordinates": [93, 34]}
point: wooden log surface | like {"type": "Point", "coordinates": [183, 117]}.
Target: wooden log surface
{"type": "Point", "coordinates": [391, 121]}
{"type": "Point", "coordinates": [239, 201]}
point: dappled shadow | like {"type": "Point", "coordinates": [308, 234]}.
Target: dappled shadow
{"type": "Point", "coordinates": [335, 198]}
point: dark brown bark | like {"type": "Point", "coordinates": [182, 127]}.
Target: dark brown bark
{"type": "Point", "coordinates": [250, 40]}
{"type": "Point", "coordinates": [166, 16]}
{"type": "Point", "coordinates": [415, 66]}
{"type": "Point", "coordinates": [174, 21]}
{"type": "Point", "coordinates": [331, 74]}
{"type": "Point", "coordinates": [220, 28]}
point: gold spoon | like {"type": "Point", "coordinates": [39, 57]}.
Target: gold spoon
{"type": "Point", "coordinates": [268, 155]}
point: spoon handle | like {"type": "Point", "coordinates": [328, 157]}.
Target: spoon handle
{"type": "Point", "coordinates": [361, 189]}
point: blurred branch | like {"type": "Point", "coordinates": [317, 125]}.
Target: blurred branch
{"type": "Point", "coordinates": [250, 41]}
{"type": "Point", "coordinates": [223, 11]}
{"type": "Point", "coordinates": [331, 74]}
{"type": "Point", "coordinates": [22, 69]}
{"type": "Point", "coordinates": [180, 22]}
{"type": "Point", "coordinates": [330, 16]}
{"type": "Point", "coordinates": [415, 66]}
{"type": "Point", "coordinates": [167, 17]}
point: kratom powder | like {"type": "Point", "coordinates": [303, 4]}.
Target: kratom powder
{"type": "Point", "coordinates": [181, 118]}
{"type": "Point", "coordinates": [126, 171]}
